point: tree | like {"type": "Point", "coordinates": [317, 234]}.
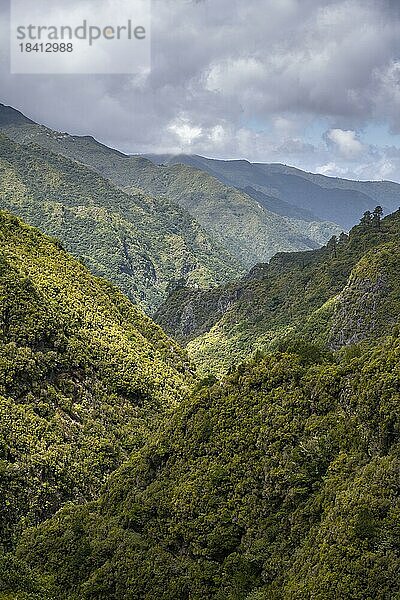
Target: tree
{"type": "Point", "coordinates": [332, 245]}
{"type": "Point", "coordinates": [377, 215]}
{"type": "Point", "coordinates": [367, 218]}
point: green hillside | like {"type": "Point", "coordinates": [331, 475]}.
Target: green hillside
{"type": "Point", "coordinates": [139, 243]}
{"type": "Point", "coordinates": [319, 294]}
{"type": "Point", "coordinates": [280, 483]}
{"type": "Point", "coordinates": [84, 378]}
{"type": "Point", "coordinates": [239, 223]}
{"type": "Point", "coordinates": [244, 227]}
{"type": "Point", "coordinates": [262, 462]}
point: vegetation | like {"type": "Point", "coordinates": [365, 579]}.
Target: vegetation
{"type": "Point", "coordinates": [342, 293]}
{"type": "Point", "coordinates": [84, 376]}
{"type": "Point", "coordinates": [248, 230]}
{"type": "Point", "coordinates": [123, 474]}
{"type": "Point", "coordinates": [294, 193]}
{"type": "Point", "coordinates": [281, 482]}
{"type": "Point", "coordinates": [139, 243]}
{"type": "Point", "coordinates": [242, 226]}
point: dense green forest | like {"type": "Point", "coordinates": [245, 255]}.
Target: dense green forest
{"type": "Point", "coordinates": [84, 377]}
{"type": "Point", "coordinates": [260, 463]}
{"type": "Point", "coordinates": [277, 482]}
{"type": "Point", "coordinates": [345, 292]}
{"type": "Point", "coordinates": [280, 482]}
{"type": "Point", "coordinates": [138, 242]}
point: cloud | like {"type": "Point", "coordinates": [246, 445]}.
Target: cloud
{"type": "Point", "coordinates": [185, 132]}
{"type": "Point", "coordinates": [331, 169]}
{"type": "Point", "coordinates": [346, 142]}
{"type": "Point", "coordinates": [262, 80]}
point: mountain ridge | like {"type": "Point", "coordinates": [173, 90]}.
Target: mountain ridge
{"type": "Point", "coordinates": [225, 325]}
{"type": "Point", "coordinates": [193, 190]}
{"type": "Point", "coordinates": [140, 243]}
{"type": "Point", "coordinates": [304, 191]}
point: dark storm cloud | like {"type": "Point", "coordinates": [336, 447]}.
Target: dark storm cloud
{"type": "Point", "coordinates": [236, 78]}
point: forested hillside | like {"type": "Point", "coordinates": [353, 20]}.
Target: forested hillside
{"type": "Point", "coordinates": [295, 193]}
{"type": "Point", "coordinates": [277, 482]}
{"type": "Point", "coordinates": [245, 228]}
{"type": "Point", "coordinates": [345, 292]}
{"type": "Point", "coordinates": [84, 378]}
{"type": "Point", "coordinates": [261, 462]}
{"type": "Point", "coordinates": [138, 242]}
{"type": "Point", "coordinates": [280, 483]}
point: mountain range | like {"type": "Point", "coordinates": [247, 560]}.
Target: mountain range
{"type": "Point", "coordinates": [242, 230]}
{"type": "Point", "coordinates": [141, 243]}
{"type": "Point", "coordinates": [294, 193]}
{"type": "Point", "coordinates": [242, 443]}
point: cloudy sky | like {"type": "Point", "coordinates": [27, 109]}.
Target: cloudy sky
{"type": "Point", "coordinates": [310, 83]}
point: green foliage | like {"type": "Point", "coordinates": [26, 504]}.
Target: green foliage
{"type": "Point", "coordinates": [239, 223]}
{"type": "Point", "coordinates": [280, 482]}
{"type": "Point", "coordinates": [122, 476]}
{"type": "Point", "coordinates": [242, 227]}
{"type": "Point", "coordinates": [83, 376]}
{"type": "Point", "coordinates": [331, 296]}
{"type": "Point", "coordinates": [294, 193]}
{"type": "Point", "coordinates": [139, 243]}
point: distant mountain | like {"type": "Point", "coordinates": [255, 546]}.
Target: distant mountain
{"type": "Point", "coordinates": [287, 190]}
{"type": "Point", "coordinates": [140, 243]}
{"type": "Point", "coordinates": [242, 225]}
{"type": "Point", "coordinates": [337, 295]}
{"type": "Point", "coordinates": [269, 473]}
{"type": "Point", "coordinates": [247, 228]}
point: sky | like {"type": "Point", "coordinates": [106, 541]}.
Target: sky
{"type": "Point", "coordinates": [309, 83]}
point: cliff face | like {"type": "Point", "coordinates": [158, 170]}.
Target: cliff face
{"type": "Point", "coordinates": [368, 306]}
{"type": "Point", "coordinates": [189, 313]}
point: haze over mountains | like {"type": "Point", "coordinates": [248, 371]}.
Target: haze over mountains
{"type": "Point", "coordinates": [292, 192]}
{"type": "Point", "coordinates": [247, 230]}
{"type": "Point", "coordinates": [192, 221]}
{"type": "Point", "coordinates": [141, 243]}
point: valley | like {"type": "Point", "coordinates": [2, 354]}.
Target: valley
{"type": "Point", "coordinates": [199, 377]}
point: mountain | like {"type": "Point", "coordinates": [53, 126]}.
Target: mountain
{"type": "Point", "coordinates": [296, 294]}
{"type": "Point", "coordinates": [140, 243]}
{"type": "Point", "coordinates": [84, 376]}
{"type": "Point", "coordinates": [127, 475]}
{"type": "Point", "coordinates": [244, 227]}
{"type": "Point", "coordinates": [292, 192]}
{"type": "Point", "coordinates": [382, 192]}
{"type": "Point", "coordinates": [279, 483]}
{"type": "Point", "coordinates": [247, 229]}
